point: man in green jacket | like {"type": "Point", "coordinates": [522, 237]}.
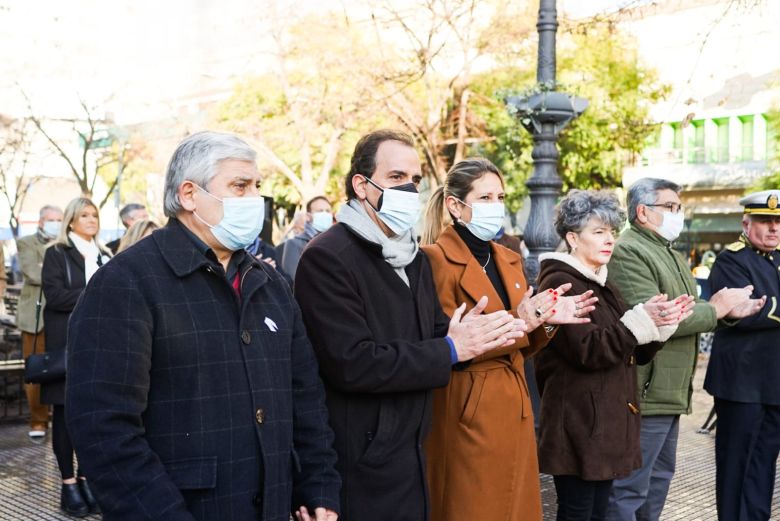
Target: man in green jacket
{"type": "Point", "coordinates": [31, 249]}
{"type": "Point", "coordinates": [645, 264]}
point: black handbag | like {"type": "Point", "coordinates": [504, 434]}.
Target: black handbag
{"type": "Point", "coordinates": [42, 368]}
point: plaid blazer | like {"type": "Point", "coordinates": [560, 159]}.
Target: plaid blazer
{"type": "Point", "coordinates": [185, 401]}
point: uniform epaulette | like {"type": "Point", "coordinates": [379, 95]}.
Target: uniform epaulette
{"type": "Point", "coordinates": [735, 246]}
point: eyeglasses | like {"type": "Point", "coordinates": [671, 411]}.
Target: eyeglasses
{"type": "Point", "coordinates": [672, 207]}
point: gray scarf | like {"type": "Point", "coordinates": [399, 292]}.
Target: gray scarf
{"type": "Point", "coordinates": [398, 251]}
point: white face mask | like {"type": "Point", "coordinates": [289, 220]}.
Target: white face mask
{"type": "Point", "coordinates": [486, 219]}
{"type": "Point", "coordinates": [52, 228]}
{"type": "Point", "coordinates": [242, 221]}
{"type": "Point", "coordinates": [321, 221]}
{"type": "Point", "coordinates": [399, 206]}
{"type": "Point", "coordinates": [671, 226]}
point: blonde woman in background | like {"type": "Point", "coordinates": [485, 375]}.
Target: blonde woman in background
{"type": "Point", "coordinates": [68, 264]}
{"type": "Point", "coordinates": [137, 231]}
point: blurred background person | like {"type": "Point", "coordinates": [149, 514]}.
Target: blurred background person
{"type": "Point", "coordinates": [137, 231]}
{"type": "Point", "coordinates": [68, 264]}
{"type": "Point", "coordinates": [589, 419]}
{"type": "Point", "coordinates": [489, 395]}
{"type": "Point", "coordinates": [319, 217]}
{"type": "Point", "coordinates": [129, 214]}
{"type": "Point", "coordinates": [293, 228]}
{"type": "Point", "coordinates": [31, 249]}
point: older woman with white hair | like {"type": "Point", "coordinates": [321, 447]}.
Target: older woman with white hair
{"type": "Point", "coordinates": [589, 416]}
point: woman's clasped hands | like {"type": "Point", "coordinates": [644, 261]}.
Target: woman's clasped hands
{"type": "Point", "coordinates": [553, 307]}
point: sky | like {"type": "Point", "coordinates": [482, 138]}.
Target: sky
{"type": "Point", "coordinates": [583, 8]}
{"type": "Point", "coordinates": [138, 56]}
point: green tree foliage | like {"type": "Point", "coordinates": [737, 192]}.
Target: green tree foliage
{"type": "Point", "coordinates": [437, 69]}
{"type": "Point", "coordinates": [302, 116]}
{"type": "Point", "coordinates": [599, 64]}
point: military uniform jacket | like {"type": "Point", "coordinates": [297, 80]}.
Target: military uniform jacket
{"type": "Point", "coordinates": [745, 361]}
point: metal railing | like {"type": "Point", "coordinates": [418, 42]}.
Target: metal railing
{"type": "Point", "coordinates": [696, 155]}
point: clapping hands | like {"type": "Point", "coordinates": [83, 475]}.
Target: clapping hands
{"type": "Point", "coordinates": [552, 307]}
{"type": "Point", "coordinates": [665, 312]}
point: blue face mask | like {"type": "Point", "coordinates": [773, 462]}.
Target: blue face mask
{"type": "Point", "coordinates": [321, 221]}
{"type": "Point", "coordinates": [52, 228]}
{"type": "Point", "coordinates": [398, 207]}
{"type": "Point", "coordinates": [242, 221]}
{"type": "Point", "coordinates": [486, 219]}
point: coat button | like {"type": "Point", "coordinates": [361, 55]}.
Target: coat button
{"type": "Point", "coordinates": [246, 338]}
{"type": "Point", "coordinates": [257, 500]}
{"type": "Point", "coordinates": [260, 416]}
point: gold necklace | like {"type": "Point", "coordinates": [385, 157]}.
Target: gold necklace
{"type": "Point", "coordinates": [484, 270]}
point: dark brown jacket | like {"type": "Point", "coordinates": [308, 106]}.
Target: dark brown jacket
{"type": "Point", "coordinates": [589, 418]}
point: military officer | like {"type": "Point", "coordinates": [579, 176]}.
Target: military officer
{"type": "Point", "coordinates": [744, 369]}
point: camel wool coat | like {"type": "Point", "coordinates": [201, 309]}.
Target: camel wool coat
{"type": "Point", "coordinates": [482, 461]}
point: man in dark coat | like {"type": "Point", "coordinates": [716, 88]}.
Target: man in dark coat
{"type": "Point", "coordinates": [743, 371]}
{"type": "Point", "coordinates": [192, 389]}
{"type": "Point", "coordinates": [383, 343]}
{"type": "Point", "coordinates": [129, 214]}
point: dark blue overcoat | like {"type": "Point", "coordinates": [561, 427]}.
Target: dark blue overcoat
{"type": "Point", "coordinates": [745, 360]}
{"type": "Point", "coordinates": [187, 402]}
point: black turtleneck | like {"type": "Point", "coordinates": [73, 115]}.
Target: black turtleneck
{"type": "Point", "coordinates": [481, 250]}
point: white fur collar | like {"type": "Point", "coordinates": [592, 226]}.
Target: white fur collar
{"type": "Point", "coordinates": [599, 278]}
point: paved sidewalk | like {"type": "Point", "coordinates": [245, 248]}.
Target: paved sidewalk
{"type": "Point", "coordinates": [29, 484]}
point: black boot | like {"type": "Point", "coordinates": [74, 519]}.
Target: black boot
{"type": "Point", "coordinates": [71, 501]}
{"type": "Point", "coordinates": [89, 498]}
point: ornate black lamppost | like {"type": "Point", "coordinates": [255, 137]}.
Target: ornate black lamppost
{"type": "Point", "coordinates": [544, 114]}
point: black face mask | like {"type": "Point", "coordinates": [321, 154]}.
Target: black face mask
{"type": "Point", "coordinates": [408, 187]}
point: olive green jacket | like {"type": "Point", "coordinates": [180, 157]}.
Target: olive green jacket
{"type": "Point", "coordinates": [31, 249]}
{"type": "Point", "coordinates": [643, 265]}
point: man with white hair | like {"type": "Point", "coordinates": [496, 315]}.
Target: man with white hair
{"type": "Point", "coordinates": [192, 388]}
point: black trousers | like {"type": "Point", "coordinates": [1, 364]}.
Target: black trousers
{"type": "Point", "coordinates": [747, 442]}
{"type": "Point", "coordinates": [61, 444]}
{"type": "Point", "coordinates": [580, 500]}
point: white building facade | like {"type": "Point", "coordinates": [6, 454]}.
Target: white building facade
{"type": "Point", "coordinates": [722, 60]}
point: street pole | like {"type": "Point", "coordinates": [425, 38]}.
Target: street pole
{"type": "Point", "coordinates": [544, 114]}
{"type": "Point", "coordinates": [118, 187]}
{"type": "Point", "coordinates": [545, 185]}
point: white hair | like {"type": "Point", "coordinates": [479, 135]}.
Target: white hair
{"type": "Point", "coordinates": [196, 159]}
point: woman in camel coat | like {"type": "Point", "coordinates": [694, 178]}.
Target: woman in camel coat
{"type": "Point", "coordinates": [482, 461]}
